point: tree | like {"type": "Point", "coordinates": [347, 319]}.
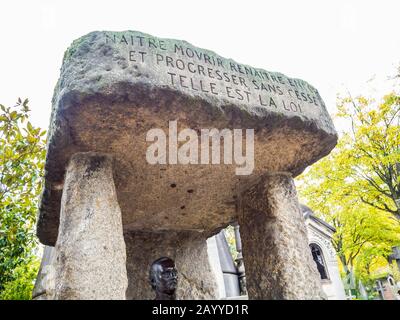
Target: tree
{"type": "Point", "coordinates": [363, 235]}
{"type": "Point", "coordinates": [373, 148]}
{"type": "Point", "coordinates": [355, 187]}
{"type": "Point", "coordinates": [22, 153]}
{"type": "Point", "coordinates": [21, 286]}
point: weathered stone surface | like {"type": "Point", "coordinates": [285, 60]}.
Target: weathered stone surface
{"type": "Point", "coordinates": [189, 251]}
{"type": "Point", "coordinates": [277, 256]}
{"type": "Point", "coordinates": [90, 254]}
{"type": "Point", "coordinates": [115, 86]}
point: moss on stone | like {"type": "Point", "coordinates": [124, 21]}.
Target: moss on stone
{"type": "Point", "coordinates": [73, 48]}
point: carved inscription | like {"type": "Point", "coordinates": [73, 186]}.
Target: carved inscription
{"type": "Point", "coordinates": [189, 68]}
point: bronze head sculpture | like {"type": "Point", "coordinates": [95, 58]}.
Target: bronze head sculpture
{"type": "Point", "coordinates": [164, 278]}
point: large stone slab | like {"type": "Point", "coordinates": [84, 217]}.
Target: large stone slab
{"type": "Point", "coordinates": [115, 86]}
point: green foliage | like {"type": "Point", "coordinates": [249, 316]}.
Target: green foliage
{"type": "Point", "coordinates": [22, 153]}
{"type": "Point", "coordinates": [355, 187]}
{"type": "Point", "coordinates": [21, 287]}
{"type": "Point", "coordinates": [395, 272]}
{"type": "Point", "coordinates": [373, 150]}
{"type": "Point", "coordinates": [230, 238]}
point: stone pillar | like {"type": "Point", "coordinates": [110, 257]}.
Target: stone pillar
{"type": "Point", "coordinates": [90, 256]}
{"type": "Point", "coordinates": [275, 245]}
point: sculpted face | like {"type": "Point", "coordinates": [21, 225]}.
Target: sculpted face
{"type": "Point", "coordinates": [164, 278]}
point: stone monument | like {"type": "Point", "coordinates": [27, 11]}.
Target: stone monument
{"type": "Point", "coordinates": [110, 212]}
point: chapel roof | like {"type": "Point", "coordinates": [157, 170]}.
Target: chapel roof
{"type": "Point", "coordinates": [308, 213]}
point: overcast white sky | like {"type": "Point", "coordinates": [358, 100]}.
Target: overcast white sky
{"type": "Point", "coordinates": [333, 45]}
